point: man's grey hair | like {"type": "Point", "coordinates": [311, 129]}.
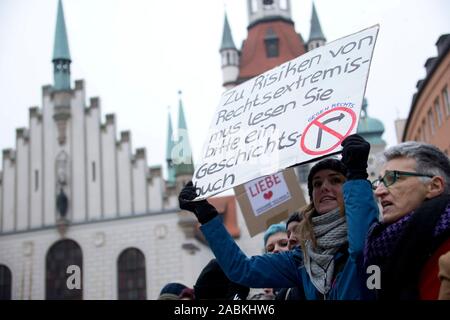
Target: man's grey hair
{"type": "Point", "coordinates": [430, 160]}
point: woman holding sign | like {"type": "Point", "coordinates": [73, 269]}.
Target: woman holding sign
{"type": "Point", "coordinates": [328, 264]}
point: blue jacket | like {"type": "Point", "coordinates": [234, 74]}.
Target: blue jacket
{"type": "Point", "coordinates": [286, 269]}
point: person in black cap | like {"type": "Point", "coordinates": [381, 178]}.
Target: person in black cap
{"type": "Point", "coordinates": [328, 264]}
{"type": "Point", "coordinates": [213, 284]}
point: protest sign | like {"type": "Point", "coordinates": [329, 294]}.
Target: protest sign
{"type": "Point", "coordinates": [294, 113]}
{"type": "Point", "coordinates": [269, 199]}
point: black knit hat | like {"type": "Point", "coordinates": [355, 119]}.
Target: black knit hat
{"type": "Point", "coordinates": [331, 164]}
{"type": "Point", "coordinates": [212, 283]}
{"type": "Point", "coordinates": [294, 217]}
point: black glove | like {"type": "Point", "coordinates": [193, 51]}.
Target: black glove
{"type": "Point", "coordinates": [202, 209]}
{"type": "Point", "coordinates": [355, 155]}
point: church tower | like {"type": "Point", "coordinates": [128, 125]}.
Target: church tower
{"type": "Point", "coordinates": [271, 41]}
{"type": "Point", "coordinates": [60, 99]}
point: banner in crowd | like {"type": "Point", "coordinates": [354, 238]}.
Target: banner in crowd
{"type": "Point", "coordinates": [269, 199]}
{"type": "Point", "coordinates": [294, 113]}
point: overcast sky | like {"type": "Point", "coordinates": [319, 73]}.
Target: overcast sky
{"type": "Point", "coordinates": [136, 54]}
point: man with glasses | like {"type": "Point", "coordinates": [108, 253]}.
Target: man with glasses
{"type": "Point", "coordinates": [413, 191]}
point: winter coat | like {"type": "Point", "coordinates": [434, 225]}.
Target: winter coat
{"type": "Point", "coordinates": [286, 269]}
{"type": "Point", "coordinates": [407, 251]}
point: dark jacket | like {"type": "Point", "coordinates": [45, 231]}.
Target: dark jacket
{"type": "Point", "coordinates": [407, 267]}
{"type": "Point", "coordinates": [295, 293]}
{"type": "Point", "coordinates": [444, 276]}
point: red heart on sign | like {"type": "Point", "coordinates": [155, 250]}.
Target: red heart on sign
{"type": "Point", "coordinates": [268, 195]}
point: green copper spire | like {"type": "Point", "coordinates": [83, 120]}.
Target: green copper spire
{"type": "Point", "coordinates": [227, 38]}
{"type": "Point", "coordinates": [61, 56]}
{"type": "Point", "coordinates": [170, 146]}
{"type": "Point", "coordinates": [316, 30]}
{"type": "Point", "coordinates": [183, 161]}
{"type": "Point", "coordinates": [61, 45]}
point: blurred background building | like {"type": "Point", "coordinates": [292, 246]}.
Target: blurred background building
{"type": "Point", "coordinates": [71, 193]}
{"type": "Point", "coordinates": [429, 115]}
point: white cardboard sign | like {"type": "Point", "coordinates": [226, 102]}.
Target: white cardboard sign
{"type": "Point", "coordinates": [294, 113]}
{"type": "Point", "coordinates": [267, 192]}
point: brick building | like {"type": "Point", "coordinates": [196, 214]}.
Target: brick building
{"type": "Point", "coordinates": [429, 115]}
{"type": "Point", "coordinates": [273, 40]}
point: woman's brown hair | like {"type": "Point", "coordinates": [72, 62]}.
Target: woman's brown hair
{"type": "Point", "coordinates": [304, 230]}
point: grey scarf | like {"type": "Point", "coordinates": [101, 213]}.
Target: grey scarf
{"type": "Point", "coordinates": [330, 230]}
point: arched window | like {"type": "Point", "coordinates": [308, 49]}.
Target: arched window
{"type": "Point", "coordinates": [5, 283]}
{"type": "Point", "coordinates": [131, 275]}
{"type": "Point", "coordinates": [60, 256]}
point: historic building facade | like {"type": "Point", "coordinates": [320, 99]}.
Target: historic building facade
{"type": "Point", "coordinates": [72, 194]}
{"type": "Point", "coordinates": [429, 115]}
{"type": "Point", "coordinates": [271, 41]}
{"type": "Point", "coordinates": [77, 201]}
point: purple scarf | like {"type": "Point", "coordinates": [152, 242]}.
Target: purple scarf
{"type": "Point", "coordinates": [383, 238]}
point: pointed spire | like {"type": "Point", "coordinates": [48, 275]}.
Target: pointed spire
{"type": "Point", "coordinates": [170, 145]}
{"type": "Point", "coordinates": [169, 138]}
{"type": "Point", "coordinates": [61, 45]}
{"type": "Point", "coordinates": [316, 30]}
{"type": "Point", "coordinates": [183, 163]}
{"type": "Point", "coordinates": [61, 55]}
{"type": "Point", "coordinates": [227, 38]}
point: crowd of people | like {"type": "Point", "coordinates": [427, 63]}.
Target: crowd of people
{"type": "Point", "coordinates": [339, 243]}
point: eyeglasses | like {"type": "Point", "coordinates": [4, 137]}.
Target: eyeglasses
{"type": "Point", "coordinates": [390, 177]}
